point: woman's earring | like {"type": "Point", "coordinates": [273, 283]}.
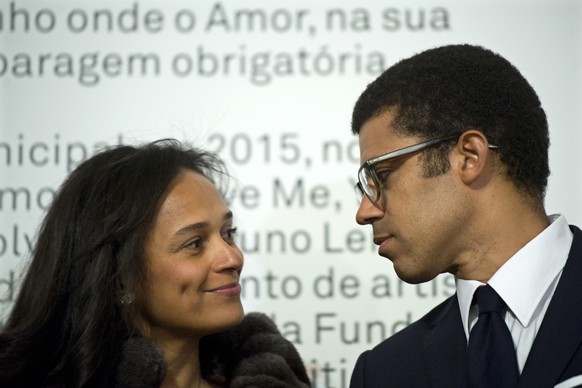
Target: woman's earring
{"type": "Point", "coordinates": [126, 299]}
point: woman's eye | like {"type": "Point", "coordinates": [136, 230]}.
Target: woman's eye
{"type": "Point", "coordinates": [194, 244]}
{"type": "Point", "coordinates": [229, 234]}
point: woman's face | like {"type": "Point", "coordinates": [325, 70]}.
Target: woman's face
{"type": "Point", "coordinates": [193, 264]}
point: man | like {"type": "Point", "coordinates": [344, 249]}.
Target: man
{"type": "Point", "coordinates": [454, 143]}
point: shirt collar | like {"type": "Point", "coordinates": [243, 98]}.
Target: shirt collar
{"type": "Point", "coordinates": [526, 277]}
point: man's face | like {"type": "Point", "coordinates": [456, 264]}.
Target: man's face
{"type": "Point", "coordinates": [418, 222]}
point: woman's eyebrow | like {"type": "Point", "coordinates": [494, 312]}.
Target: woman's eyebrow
{"type": "Point", "coordinates": [201, 225]}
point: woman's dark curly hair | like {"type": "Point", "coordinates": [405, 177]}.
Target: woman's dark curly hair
{"type": "Point", "coordinates": [68, 323]}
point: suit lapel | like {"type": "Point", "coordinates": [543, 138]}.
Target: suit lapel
{"type": "Point", "coordinates": [445, 349]}
{"type": "Point", "coordinates": [561, 331]}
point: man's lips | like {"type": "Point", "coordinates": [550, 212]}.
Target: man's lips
{"type": "Point", "coordinates": [379, 240]}
{"type": "Point", "coordinates": [382, 241]}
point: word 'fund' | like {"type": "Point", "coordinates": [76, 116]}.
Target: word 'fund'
{"type": "Point", "coordinates": [329, 328]}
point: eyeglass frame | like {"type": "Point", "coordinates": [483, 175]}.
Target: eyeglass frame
{"type": "Point", "coordinates": [368, 166]}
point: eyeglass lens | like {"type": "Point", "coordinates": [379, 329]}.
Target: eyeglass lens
{"type": "Point", "coordinates": [369, 184]}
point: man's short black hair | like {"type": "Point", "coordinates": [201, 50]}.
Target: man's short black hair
{"type": "Point", "coordinates": [447, 90]}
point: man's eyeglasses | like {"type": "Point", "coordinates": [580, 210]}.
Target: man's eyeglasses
{"type": "Point", "coordinates": [368, 181]}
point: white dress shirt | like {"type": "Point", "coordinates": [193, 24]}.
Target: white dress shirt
{"type": "Point", "coordinates": [526, 282]}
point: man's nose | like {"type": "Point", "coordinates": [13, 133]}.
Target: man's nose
{"type": "Point", "coordinates": [368, 212]}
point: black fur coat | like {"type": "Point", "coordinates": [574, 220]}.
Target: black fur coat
{"type": "Point", "coordinates": [253, 354]}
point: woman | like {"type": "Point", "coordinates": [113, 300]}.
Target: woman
{"type": "Point", "coordinates": [134, 281]}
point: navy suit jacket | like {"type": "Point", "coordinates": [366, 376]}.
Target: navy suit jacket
{"type": "Point", "coordinates": [432, 352]}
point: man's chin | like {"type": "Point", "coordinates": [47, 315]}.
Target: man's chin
{"type": "Point", "coordinates": [410, 276]}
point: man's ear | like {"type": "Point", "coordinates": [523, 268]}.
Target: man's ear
{"type": "Point", "coordinates": [470, 157]}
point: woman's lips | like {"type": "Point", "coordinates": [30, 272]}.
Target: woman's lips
{"type": "Point", "coordinates": [229, 289]}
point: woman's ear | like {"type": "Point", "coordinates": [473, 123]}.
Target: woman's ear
{"type": "Point", "coordinates": [471, 155]}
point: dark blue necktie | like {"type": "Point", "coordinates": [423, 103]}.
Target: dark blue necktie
{"type": "Point", "coordinates": [492, 359]}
